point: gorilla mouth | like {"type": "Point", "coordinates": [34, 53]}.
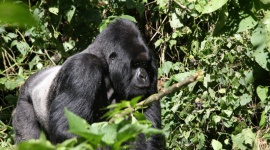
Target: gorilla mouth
{"type": "Point", "coordinates": [141, 87]}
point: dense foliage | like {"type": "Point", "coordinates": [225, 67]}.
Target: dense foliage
{"type": "Point", "coordinates": [227, 39]}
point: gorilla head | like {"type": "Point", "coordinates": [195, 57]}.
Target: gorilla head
{"type": "Point", "coordinates": [132, 70]}
{"type": "Point", "coordinates": [116, 66]}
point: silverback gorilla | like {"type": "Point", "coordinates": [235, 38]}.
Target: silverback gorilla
{"type": "Point", "coordinates": [116, 66]}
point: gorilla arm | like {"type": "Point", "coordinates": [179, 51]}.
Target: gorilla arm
{"type": "Point", "coordinates": [80, 87]}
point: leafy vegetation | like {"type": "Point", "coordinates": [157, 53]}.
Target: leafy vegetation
{"type": "Point", "coordinates": [227, 39]}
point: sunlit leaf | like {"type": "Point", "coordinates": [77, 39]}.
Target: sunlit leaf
{"type": "Point", "coordinates": [216, 145]}
{"type": "Point", "coordinates": [128, 17]}
{"type": "Point", "coordinates": [249, 136]}
{"type": "Point", "coordinates": [262, 92]}
{"type": "Point", "coordinates": [54, 10]}
{"type": "Point", "coordinates": [265, 1]}
{"type": "Point", "coordinates": [216, 119]}
{"type": "Point", "coordinates": [175, 22]}
{"type": "Point", "coordinates": [70, 13]}
{"type": "Point", "coordinates": [213, 5]}
{"type": "Point", "coordinates": [246, 23]}
{"type": "Point", "coordinates": [263, 120]}
{"type": "Point", "coordinates": [245, 99]}
{"type": "Point", "coordinates": [262, 58]}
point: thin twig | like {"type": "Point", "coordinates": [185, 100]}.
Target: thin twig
{"type": "Point", "coordinates": [158, 28]}
{"type": "Point", "coordinates": [182, 6]}
{"type": "Point", "coordinates": [49, 57]}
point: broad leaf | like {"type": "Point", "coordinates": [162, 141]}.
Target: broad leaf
{"type": "Point", "coordinates": [244, 99]}
{"type": "Point", "coordinates": [216, 145]}
{"type": "Point", "coordinates": [246, 23]}
{"type": "Point", "coordinates": [262, 92]}
{"type": "Point", "coordinates": [263, 120]}
{"type": "Point", "coordinates": [16, 14]}
{"type": "Point", "coordinates": [70, 13]}
{"type": "Point", "coordinates": [213, 5]}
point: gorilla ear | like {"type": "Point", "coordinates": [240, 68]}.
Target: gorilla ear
{"type": "Point", "coordinates": [112, 56]}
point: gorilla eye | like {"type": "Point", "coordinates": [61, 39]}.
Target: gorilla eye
{"type": "Point", "coordinates": [136, 64]}
{"type": "Point", "coordinates": [112, 56]}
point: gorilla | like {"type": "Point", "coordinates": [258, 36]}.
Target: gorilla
{"type": "Point", "coordinates": [116, 66]}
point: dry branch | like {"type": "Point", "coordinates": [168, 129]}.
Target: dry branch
{"type": "Point", "coordinates": [156, 97]}
{"type": "Point", "coordinates": [172, 89]}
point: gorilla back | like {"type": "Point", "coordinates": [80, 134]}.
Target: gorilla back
{"type": "Point", "coordinates": [116, 66]}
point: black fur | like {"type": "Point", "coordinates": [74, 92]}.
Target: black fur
{"type": "Point", "coordinates": [116, 66]}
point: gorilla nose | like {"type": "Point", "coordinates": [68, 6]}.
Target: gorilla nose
{"type": "Point", "coordinates": [142, 77]}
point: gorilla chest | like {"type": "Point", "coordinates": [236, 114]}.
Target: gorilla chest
{"type": "Point", "coordinates": [40, 92]}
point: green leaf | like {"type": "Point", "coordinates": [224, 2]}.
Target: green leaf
{"type": "Point", "coordinates": [23, 47]}
{"type": "Point", "coordinates": [172, 43]}
{"type": "Point", "coordinates": [245, 99]}
{"type": "Point", "coordinates": [181, 76]}
{"type": "Point", "coordinates": [75, 122]}
{"type": "Point", "coordinates": [69, 45]}
{"type": "Point", "coordinates": [192, 85]}
{"type": "Point", "coordinates": [12, 35]}
{"type": "Point", "coordinates": [206, 80]}
{"type": "Point", "coordinates": [130, 131]}
{"type": "Point", "coordinates": [238, 141]}
{"type": "Point", "coordinates": [265, 1]}
{"type": "Point", "coordinates": [216, 118]}
{"type": "Point", "coordinates": [189, 118]}
{"type": "Point", "coordinates": [54, 10]}
{"type": "Point", "coordinates": [39, 66]}
{"type": "Point", "coordinates": [213, 5]}
{"type": "Point", "coordinates": [216, 145]}
{"type": "Point", "coordinates": [259, 36]}
{"type": "Point", "coordinates": [70, 13]}
{"type": "Point", "coordinates": [41, 144]}
{"type": "Point", "coordinates": [16, 14]}
{"type": "Point", "coordinates": [175, 108]}
{"type": "Point", "coordinates": [175, 22]}
{"type": "Point", "coordinates": [134, 101]}
{"type": "Point", "coordinates": [108, 131]}
{"type": "Point", "coordinates": [262, 92]}
{"type": "Point", "coordinates": [249, 136]}
{"type": "Point", "coordinates": [263, 120]}
{"type": "Point", "coordinates": [246, 23]}
{"type": "Point", "coordinates": [80, 127]}
{"type": "Point", "coordinates": [228, 112]}
{"type": "Point", "coordinates": [2, 30]}
{"type": "Point", "coordinates": [262, 58]}
{"type": "Point", "coordinates": [162, 4]}
{"type": "Point", "coordinates": [128, 17]}
{"type": "Point", "coordinates": [158, 42]}
{"type": "Point", "coordinates": [167, 66]}
{"type": "Point", "coordinates": [222, 91]}
{"type": "Point", "coordinates": [248, 77]}
{"type": "Point", "coordinates": [70, 143]}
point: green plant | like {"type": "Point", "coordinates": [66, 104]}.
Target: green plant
{"type": "Point", "coordinates": [227, 39]}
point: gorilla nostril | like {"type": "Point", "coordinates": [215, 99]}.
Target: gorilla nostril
{"type": "Point", "coordinates": [142, 76]}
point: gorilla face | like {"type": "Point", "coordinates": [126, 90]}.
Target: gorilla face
{"type": "Point", "coordinates": [132, 72]}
